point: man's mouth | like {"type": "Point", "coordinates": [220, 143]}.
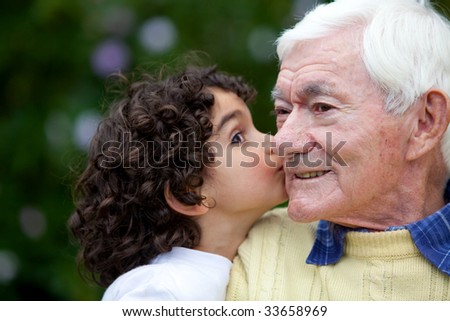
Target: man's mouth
{"type": "Point", "coordinates": [308, 175]}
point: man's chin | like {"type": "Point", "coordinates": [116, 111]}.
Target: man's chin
{"type": "Point", "coordinates": [299, 212]}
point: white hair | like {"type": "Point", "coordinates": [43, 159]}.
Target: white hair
{"type": "Point", "coordinates": [405, 46]}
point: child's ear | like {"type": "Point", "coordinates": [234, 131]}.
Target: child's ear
{"type": "Point", "coordinates": [176, 205]}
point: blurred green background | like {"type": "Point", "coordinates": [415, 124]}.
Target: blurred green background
{"type": "Point", "coordinates": [54, 57]}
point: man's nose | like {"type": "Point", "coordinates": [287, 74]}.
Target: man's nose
{"type": "Point", "coordinates": [294, 136]}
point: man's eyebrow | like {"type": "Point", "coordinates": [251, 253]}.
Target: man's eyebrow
{"type": "Point", "coordinates": [315, 89]}
{"type": "Point", "coordinates": [227, 117]}
{"type": "Point", "coordinates": [276, 93]}
{"type": "Point", "coordinates": [308, 90]}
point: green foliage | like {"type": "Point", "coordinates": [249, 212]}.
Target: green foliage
{"type": "Point", "coordinates": [47, 81]}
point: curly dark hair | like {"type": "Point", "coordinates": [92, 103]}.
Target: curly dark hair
{"type": "Point", "coordinates": [155, 135]}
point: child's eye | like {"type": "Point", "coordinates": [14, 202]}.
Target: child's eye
{"type": "Point", "coordinates": [237, 138]}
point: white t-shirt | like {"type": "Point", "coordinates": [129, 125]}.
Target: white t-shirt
{"type": "Point", "coordinates": [182, 274]}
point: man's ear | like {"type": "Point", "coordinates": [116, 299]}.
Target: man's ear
{"type": "Point", "coordinates": [176, 205]}
{"type": "Point", "coordinates": [433, 117]}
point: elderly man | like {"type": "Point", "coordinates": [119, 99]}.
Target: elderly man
{"type": "Point", "coordinates": [362, 104]}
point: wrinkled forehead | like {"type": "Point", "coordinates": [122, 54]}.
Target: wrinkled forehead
{"type": "Point", "coordinates": [339, 53]}
{"type": "Point", "coordinates": [343, 40]}
{"type": "Point", "coordinates": [329, 66]}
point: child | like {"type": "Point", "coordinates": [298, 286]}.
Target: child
{"type": "Point", "coordinates": [177, 175]}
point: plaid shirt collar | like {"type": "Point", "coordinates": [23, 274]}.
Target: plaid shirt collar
{"type": "Point", "coordinates": [431, 236]}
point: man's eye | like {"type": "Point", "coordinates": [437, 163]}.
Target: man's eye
{"type": "Point", "coordinates": [237, 138]}
{"type": "Point", "coordinates": [322, 108]}
{"type": "Point", "coordinates": [280, 112]}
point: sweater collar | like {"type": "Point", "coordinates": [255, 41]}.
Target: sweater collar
{"type": "Point", "coordinates": [430, 235]}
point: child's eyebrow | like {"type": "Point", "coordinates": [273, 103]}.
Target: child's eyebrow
{"type": "Point", "coordinates": [227, 117]}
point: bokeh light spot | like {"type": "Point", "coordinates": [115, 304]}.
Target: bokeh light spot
{"type": "Point", "coordinates": [158, 35]}
{"type": "Point", "coordinates": [110, 56]}
{"type": "Point", "coordinates": [8, 266]}
{"type": "Point", "coordinates": [33, 222]}
{"type": "Point", "coordinates": [84, 129]}
{"type": "Point", "coordinates": [300, 7]}
{"type": "Point", "coordinates": [261, 43]}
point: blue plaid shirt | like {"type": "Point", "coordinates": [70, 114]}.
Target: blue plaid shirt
{"type": "Point", "coordinates": [431, 236]}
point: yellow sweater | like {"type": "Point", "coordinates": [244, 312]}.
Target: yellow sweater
{"type": "Point", "coordinates": [376, 266]}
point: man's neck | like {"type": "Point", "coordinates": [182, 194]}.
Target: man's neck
{"type": "Point", "coordinates": [417, 196]}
